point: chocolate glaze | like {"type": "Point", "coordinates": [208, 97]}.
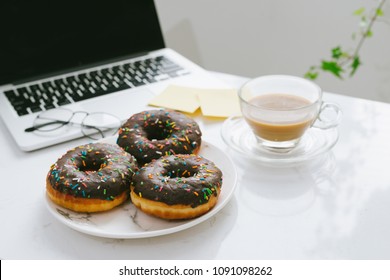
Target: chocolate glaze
{"type": "Point", "coordinates": [98, 170]}
{"type": "Point", "coordinates": [151, 134]}
{"type": "Point", "coordinates": [178, 179]}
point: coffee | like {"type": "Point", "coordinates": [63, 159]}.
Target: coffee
{"type": "Point", "coordinates": [280, 120]}
{"type": "Point", "coordinates": [279, 101]}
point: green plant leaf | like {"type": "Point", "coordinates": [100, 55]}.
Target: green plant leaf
{"type": "Point", "coordinates": [355, 65]}
{"type": "Point", "coordinates": [368, 33]}
{"type": "Point", "coordinates": [311, 75]}
{"type": "Point", "coordinates": [379, 12]}
{"type": "Point", "coordinates": [332, 67]}
{"type": "Point", "coordinates": [337, 53]}
{"type": "Point", "coordinates": [359, 12]}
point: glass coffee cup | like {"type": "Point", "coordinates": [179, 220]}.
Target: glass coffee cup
{"type": "Point", "coordinates": [280, 109]}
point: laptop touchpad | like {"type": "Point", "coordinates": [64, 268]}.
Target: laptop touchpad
{"type": "Point", "coordinates": [122, 104]}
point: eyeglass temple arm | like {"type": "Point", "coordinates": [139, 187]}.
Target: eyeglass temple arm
{"type": "Point", "coordinates": [35, 127]}
{"type": "Point", "coordinates": [96, 128]}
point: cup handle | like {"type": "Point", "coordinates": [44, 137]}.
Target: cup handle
{"type": "Point", "coordinates": [324, 121]}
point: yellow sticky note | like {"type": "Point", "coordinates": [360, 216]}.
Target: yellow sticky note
{"type": "Point", "coordinates": [179, 98]}
{"type": "Point", "coordinates": [219, 102]}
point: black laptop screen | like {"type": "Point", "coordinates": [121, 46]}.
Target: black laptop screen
{"type": "Point", "coordinates": [38, 37]}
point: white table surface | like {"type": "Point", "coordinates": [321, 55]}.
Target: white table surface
{"type": "Point", "coordinates": [335, 208]}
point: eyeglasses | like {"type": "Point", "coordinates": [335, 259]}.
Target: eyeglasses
{"type": "Point", "coordinates": [95, 125]}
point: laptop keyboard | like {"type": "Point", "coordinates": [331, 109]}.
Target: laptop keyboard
{"type": "Point", "coordinates": [51, 94]}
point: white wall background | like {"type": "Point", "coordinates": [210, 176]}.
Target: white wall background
{"type": "Point", "coordinates": [258, 37]}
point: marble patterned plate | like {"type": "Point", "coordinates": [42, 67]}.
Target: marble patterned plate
{"type": "Point", "coordinates": [126, 221]}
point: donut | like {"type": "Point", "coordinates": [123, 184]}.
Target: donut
{"type": "Point", "coordinates": [177, 187]}
{"type": "Point", "coordinates": [91, 178]}
{"type": "Point", "coordinates": [151, 134]}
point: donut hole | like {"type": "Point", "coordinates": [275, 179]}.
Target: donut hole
{"type": "Point", "coordinates": [91, 165]}
{"type": "Point", "coordinates": [157, 133]}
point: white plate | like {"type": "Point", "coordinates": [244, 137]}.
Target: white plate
{"type": "Point", "coordinates": [126, 221]}
{"type": "Point", "coordinates": [315, 142]}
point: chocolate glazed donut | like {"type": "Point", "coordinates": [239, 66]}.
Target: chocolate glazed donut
{"type": "Point", "coordinates": [91, 178]}
{"type": "Point", "coordinates": [151, 134]}
{"type": "Point", "coordinates": [177, 186]}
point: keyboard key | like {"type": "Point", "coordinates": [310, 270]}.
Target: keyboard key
{"type": "Point", "coordinates": [36, 108]}
{"type": "Point", "coordinates": [11, 95]}
{"type": "Point", "coordinates": [63, 102]}
{"type": "Point", "coordinates": [21, 110]}
{"type": "Point", "coordinates": [49, 106]}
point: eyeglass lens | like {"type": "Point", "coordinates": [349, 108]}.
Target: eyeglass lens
{"type": "Point", "coordinates": [52, 119]}
{"type": "Point", "coordinates": [100, 125]}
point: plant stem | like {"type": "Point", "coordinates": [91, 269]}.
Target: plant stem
{"type": "Point", "coordinates": [365, 34]}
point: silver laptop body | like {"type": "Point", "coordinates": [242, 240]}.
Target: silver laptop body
{"type": "Point", "coordinates": [116, 69]}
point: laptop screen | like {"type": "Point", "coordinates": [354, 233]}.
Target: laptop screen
{"type": "Point", "coordinates": [38, 37]}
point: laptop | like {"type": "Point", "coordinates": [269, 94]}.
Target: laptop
{"type": "Point", "coordinates": [90, 56]}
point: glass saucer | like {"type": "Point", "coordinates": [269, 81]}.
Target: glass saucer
{"type": "Point", "coordinates": [237, 135]}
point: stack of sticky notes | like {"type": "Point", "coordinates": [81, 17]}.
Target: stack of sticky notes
{"type": "Point", "coordinates": [212, 102]}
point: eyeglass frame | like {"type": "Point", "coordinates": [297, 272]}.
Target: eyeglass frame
{"type": "Point", "coordinates": [69, 122]}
